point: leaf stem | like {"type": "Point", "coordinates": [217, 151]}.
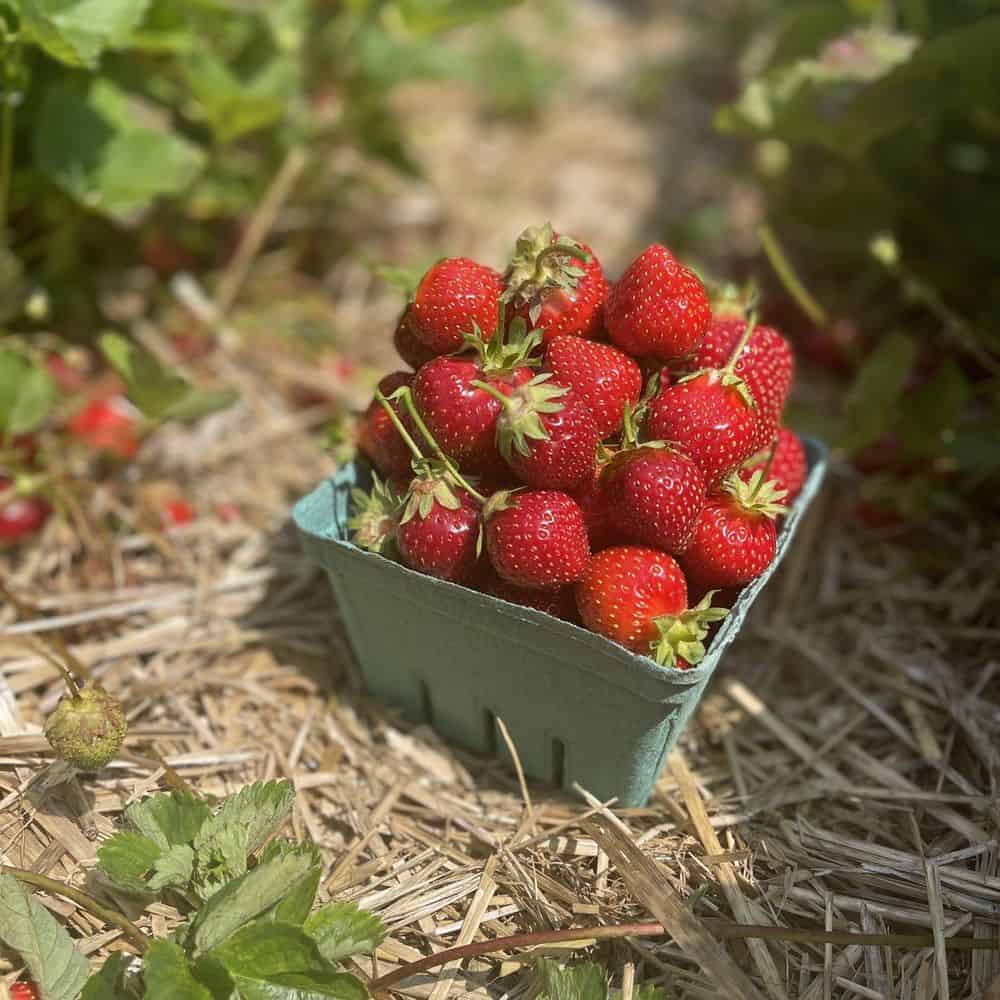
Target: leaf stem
{"type": "Point", "coordinates": [86, 902]}
{"type": "Point", "coordinates": [493, 391]}
{"type": "Point", "coordinates": [792, 283]}
{"type": "Point", "coordinates": [398, 424]}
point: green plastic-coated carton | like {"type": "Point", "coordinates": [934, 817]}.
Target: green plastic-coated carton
{"type": "Point", "coordinates": [579, 708]}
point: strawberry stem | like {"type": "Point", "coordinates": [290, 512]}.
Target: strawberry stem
{"type": "Point", "coordinates": [398, 424]}
{"type": "Point", "coordinates": [770, 459]}
{"type": "Point", "coordinates": [791, 282]}
{"type": "Point", "coordinates": [493, 391]}
{"type": "Point", "coordinates": [407, 397]}
{"type": "Point", "coordinates": [743, 341]}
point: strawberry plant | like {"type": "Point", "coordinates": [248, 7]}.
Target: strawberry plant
{"type": "Point", "coordinates": [249, 926]}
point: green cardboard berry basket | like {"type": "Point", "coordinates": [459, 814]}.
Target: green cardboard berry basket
{"type": "Point", "coordinates": [579, 708]}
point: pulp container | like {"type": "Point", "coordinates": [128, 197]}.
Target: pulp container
{"type": "Point", "coordinates": [579, 707]}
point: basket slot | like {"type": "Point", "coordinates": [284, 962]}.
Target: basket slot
{"type": "Point", "coordinates": [557, 762]}
{"type": "Point", "coordinates": [489, 731]}
{"type": "Point", "coordinates": [426, 704]}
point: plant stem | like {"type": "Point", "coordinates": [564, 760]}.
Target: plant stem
{"type": "Point", "coordinates": [721, 928]}
{"type": "Point", "coordinates": [493, 391]}
{"type": "Point", "coordinates": [407, 398]}
{"type": "Point", "coordinates": [88, 903]}
{"type": "Point", "coordinates": [789, 279]}
{"type": "Point", "coordinates": [743, 341]}
{"type": "Point", "coordinates": [398, 424]}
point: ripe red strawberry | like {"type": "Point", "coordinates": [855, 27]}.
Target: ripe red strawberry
{"type": "Point", "coordinates": [20, 517]}
{"type": "Point", "coordinates": [378, 438]}
{"type": "Point", "coordinates": [536, 538]}
{"type": "Point", "coordinates": [455, 297]}
{"type": "Point", "coordinates": [176, 512]}
{"type": "Point", "coordinates": [560, 603]}
{"type": "Point", "coordinates": [654, 495]}
{"type": "Point", "coordinates": [549, 442]}
{"type": "Point", "coordinates": [24, 991]}
{"type": "Point", "coordinates": [788, 464]}
{"type": "Point", "coordinates": [599, 375]}
{"type": "Point", "coordinates": [638, 597]}
{"type": "Point", "coordinates": [461, 415]}
{"type": "Point", "coordinates": [438, 531]}
{"type": "Point", "coordinates": [556, 284]}
{"type": "Point", "coordinates": [766, 364]}
{"type": "Point", "coordinates": [412, 351]}
{"type": "Point", "coordinates": [110, 425]}
{"type": "Point", "coordinates": [657, 307]}
{"type": "Point", "coordinates": [734, 540]}
{"type": "Point", "coordinates": [711, 418]}
{"type": "Point", "coordinates": [592, 498]}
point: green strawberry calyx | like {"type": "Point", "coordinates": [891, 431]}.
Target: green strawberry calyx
{"type": "Point", "coordinates": [512, 345]}
{"type": "Point", "coordinates": [682, 637]}
{"type": "Point", "coordinates": [756, 495]}
{"type": "Point", "coordinates": [433, 484]}
{"type": "Point", "coordinates": [520, 421]}
{"type": "Point", "coordinates": [376, 516]}
{"type": "Point", "coordinates": [501, 500]}
{"type": "Point", "coordinates": [725, 377]}
{"type": "Point", "coordinates": [541, 263]}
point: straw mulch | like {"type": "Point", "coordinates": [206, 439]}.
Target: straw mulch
{"type": "Point", "coordinates": [841, 774]}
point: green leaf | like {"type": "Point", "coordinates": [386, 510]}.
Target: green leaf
{"type": "Point", "coordinates": [931, 410]}
{"type": "Point", "coordinates": [342, 929]}
{"type": "Point", "coordinates": [108, 983]}
{"type": "Point", "coordinates": [168, 818]}
{"type": "Point", "coordinates": [244, 822]}
{"type": "Point", "coordinates": [169, 976]}
{"type": "Point", "coordinates": [27, 393]}
{"type": "Point", "coordinates": [101, 149]}
{"type": "Point", "coordinates": [869, 405]}
{"type": "Point", "coordinates": [200, 403]}
{"type": "Point", "coordinates": [280, 962]}
{"type": "Point", "coordinates": [300, 895]}
{"type": "Point", "coordinates": [126, 858]}
{"type": "Point", "coordinates": [173, 868]}
{"type": "Point", "coordinates": [76, 32]}
{"type": "Point", "coordinates": [27, 928]}
{"type": "Point", "coordinates": [245, 898]}
{"type": "Point", "coordinates": [576, 982]}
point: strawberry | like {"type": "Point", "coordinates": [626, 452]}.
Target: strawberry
{"type": "Point", "coordinates": [461, 415]}
{"type": "Point", "coordinates": [603, 378]}
{"type": "Point", "coordinates": [788, 465]}
{"type": "Point", "coordinates": [657, 307]}
{"type": "Point", "coordinates": [24, 991]}
{"type": "Point", "coordinates": [765, 364]}
{"type": "Point", "coordinates": [735, 538]}
{"type": "Point", "coordinates": [592, 498]}
{"type": "Point", "coordinates": [536, 538]}
{"type": "Point", "coordinates": [710, 416]}
{"type": "Point", "coordinates": [20, 516]}
{"type": "Point", "coordinates": [438, 531]}
{"type": "Point", "coordinates": [176, 512]}
{"type": "Point", "coordinates": [654, 494]}
{"type": "Point", "coordinates": [548, 442]}
{"type": "Point", "coordinates": [556, 284]}
{"type": "Point", "coordinates": [559, 603]}
{"type": "Point", "coordinates": [109, 425]}
{"type": "Point", "coordinates": [638, 598]}
{"type": "Point", "coordinates": [378, 439]}
{"type": "Point", "coordinates": [411, 350]}
{"type": "Point", "coordinates": [456, 296]}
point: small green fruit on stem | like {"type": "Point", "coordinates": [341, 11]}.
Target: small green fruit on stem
{"type": "Point", "coordinates": [87, 728]}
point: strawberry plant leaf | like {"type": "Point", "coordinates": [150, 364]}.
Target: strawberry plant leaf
{"type": "Point", "coordinates": [76, 32]}
{"type": "Point", "coordinates": [245, 898]}
{"type": "Point", "coordinates": [281, 962]}
{"type": "Point", "coordinates": [244, 822]}
{"type": "Point", "coordinates": [575, 982]}
{"type": "Point", "coordinates": [931, 410]}
{"type": "Point", "coordinates": [342, 929]}
{"type": "Point", "coordinates": [126, 858]}
{"type": "Point", "coordinates": [169, 976]}
{"type": "Point", "coordinates": [642, 991]}
{"type": "Point", "coordinates": [27, 393]}
{"type": "Point", "coordinates": [168, 818]}
{"type": "Point", "coordinates": [108, 983]}
{"type": "Point", "coordinates": [299, 896]}
{"type": "Point", "coordinates": [27, 928]}
{"type": "Point", "coordinates": [199, 403]}
{"type": "Point", "coordinates": [173, 869]}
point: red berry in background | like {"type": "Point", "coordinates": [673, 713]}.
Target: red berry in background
{"type": "Point", "coordinates": [658, 307]}
{"type": "Point", "coordinates": [735, 538]}
{"type": "Point", "coordinates": [788, 464]}
{"type": "Point", "coordinates": [603, 378]}
{"type": "Point", "coordinates": [536, 538]}
{"type": "Point", "coordinates": [24, 991]}
{"type": "Point", "coordinates": [20, 517]}
{"type": "Point", "coordinates": [592, 498]}
{"type": "Point", "coordinates": [560, 603]}
{"type": "Point", "coordinates": [766, 364]}
{"type": "Point", "coordinates": [556, 284]}
{"type": "Point", "coordinates": [228, 512]}
{"type": "Point", "coordinates": [438, 531]}
{"type": "Point", "coordinates": [378, 438]}
{"type": "Point", "coordinates": [710, 418]}
{"type": "Point", "coordinates": [68, 378]}
{"type": "Point", "coordinates": [638, 597]}
{"type": "Point", "coordinates": [109, 425]}
{"type": "Point", "coordinates": [455, 297]}
{"type": "Point", "coordinates": [654, 496]}
{"type": "Point", "coordinates": [411, 350]}
{"type": "Point", "coordinates": [175, 513]}
{"type": "Point", "coordinates": [549, 442]}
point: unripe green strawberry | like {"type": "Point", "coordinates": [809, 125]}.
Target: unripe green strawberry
{"type": "Point", "coordinates": [87, 729]}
